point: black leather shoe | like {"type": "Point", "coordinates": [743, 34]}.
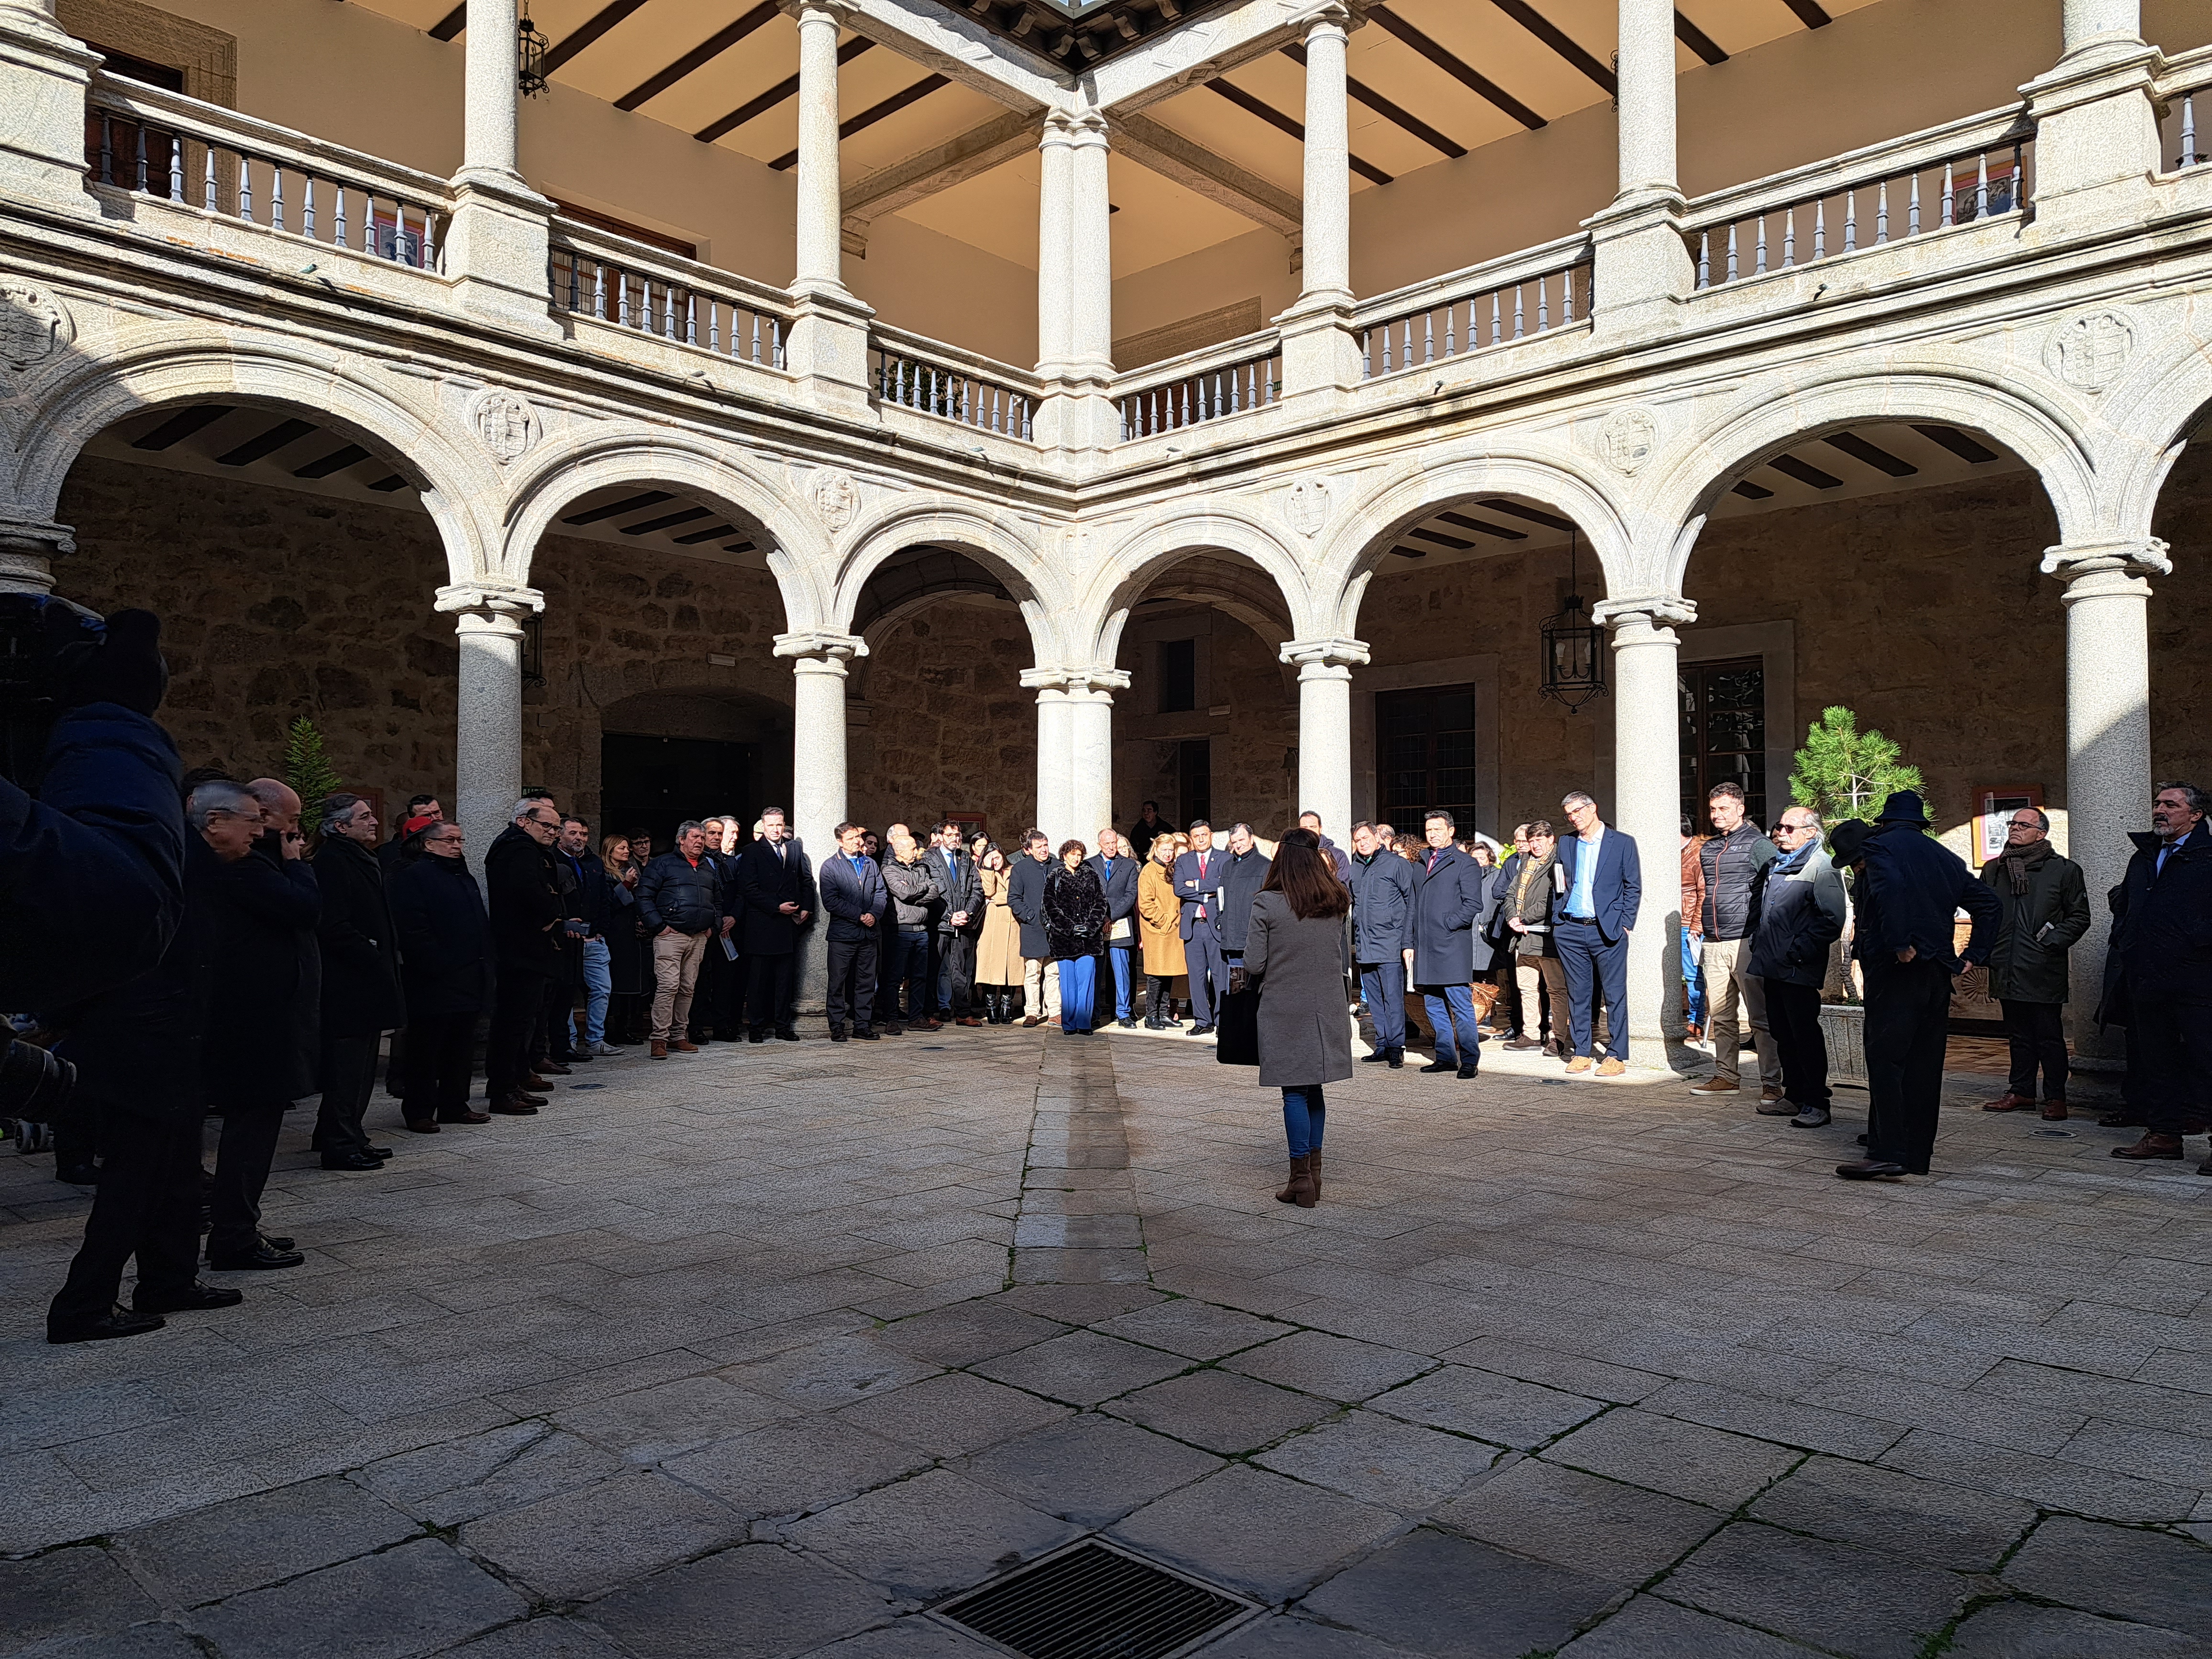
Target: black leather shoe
{"type": "Point", "coordinates": [1199, 1031]}
{"type": "Point", "coordinates": [1379, 1057]}
{"type": "Point", "coordinates": [378, 1151]}
{"type": "Point", "coordinates": [122, 1322]}
{"type": "Point", "coordinates": [1466, 1071]}
{"type": "Point", "coordinates": [864, 1035]}
{"type": "Point", "coordinates": [757, 1035]}
{"type": "Point", "coordinates": [353, 1161]}
{"type": "Point", "coordinates": [1441, 1066]}
{"type": "Point", "coordinates": [1871, 1168]}
{"type": "Point", "coordinates": [516, 1106]}
{"type": "Point", "coordinates": [1397, 1058]}
{"type": "Point", "coordinates": [262, 1258]}
{"type": "Point", "coordinates": [278, 1242]}
{"type": "Point", "coordinates": [787, 1034]}
{"type": "Point", "coordinates": [197, 1295]}
{"type": "Point", "coordinates": [836, 1034]}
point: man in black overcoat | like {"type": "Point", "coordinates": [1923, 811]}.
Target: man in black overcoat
{"type": "Point", "coordinates": [361, 979]}
{"type": "Point", "coordinates": [775, 895]}
{"type": "Point", "coordinates": [527, 910]}
{"type": "Point", "coordinates": [2159, 974]}
{"type": "Point", "coordinates": [445, 972]}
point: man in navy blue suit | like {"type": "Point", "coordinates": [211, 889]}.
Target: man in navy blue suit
{"type": "Point", "coordinates": [1198, 877]}
{"type": "Point", "coordinates": [1598, 891]}
{"type": "Point", "coordinates": [853, 894]}
{"type": "Point", "coordinates": [1118, 872]}
{"type": "Point", "coordinates": [1453, 901]}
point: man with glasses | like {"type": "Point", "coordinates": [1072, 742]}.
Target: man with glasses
{"type": "Point", "coordinates": [2044, 902]}
{"type": "Point", "coordinates": [1796, 913]}
{"type": "Point", "coordinates": [527, 913]}
{"type": "Point", "coordinates": [679, 901]}
{"type": "Point", "coordinates": [1599, 888]}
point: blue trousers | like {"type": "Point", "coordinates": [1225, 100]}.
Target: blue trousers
{"type": "Point", "coordinates": [1594, 969]}
{"type": "Point", "coordinates": [1382, 988]}
{"type": "Point", "coordinates": [1201, 954]}
{"type": "Point", "coordinates": [1694, 981]}
{"type": "Point", "coordinates": [599, 986]}
{"type": "Point", "coordinates": [1306, 1114]}
{"type": "Point", "coordinates": [1118, 959]}
{"type": "Point", "coordinates": [1078, 981]}
{"type": "Point", "coordinates": [1451, 1011]}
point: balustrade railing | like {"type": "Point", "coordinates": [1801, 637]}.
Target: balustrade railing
{"type": "Point", "coordinates": [931, 378]}
{"type": "Point", "coordinates": [611, 279]}
{"type": "Point", "coordinates": [154, 143]}
{"type": "Point", "coordinates": [1204, 385]}
{"type": "Point", "coordinates": [1490, 305]}
{"type": "Point", "coordinates": [1968, 172]}
{"type": "Point", "coordinates": [2185, 100]}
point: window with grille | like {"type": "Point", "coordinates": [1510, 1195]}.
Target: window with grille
{"type": "Point", "coordinates": [1194, 777]}
{"type": "Point", "coordinates": [1723, 736]}
{"type": "Point", "coordinates": [1178, 675]}
{"type": "Point", "coordinates": [1425, 755]}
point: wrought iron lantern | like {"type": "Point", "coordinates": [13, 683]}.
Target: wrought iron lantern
{"type": "Point", "coordinates": [529, 56]}
{"type": "Point", "coordinates": [533, 650]}
{"type": "Point", "coordinates": [1574, 645]}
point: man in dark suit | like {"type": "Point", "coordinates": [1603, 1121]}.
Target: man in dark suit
{"type": "Point", "coordinates": [1025, 898]}
{"type": "Point", "coordinates": [1198, 885]}
{"type": "Point", "coordinates": [952, 941]}
{"type": "Point", "coordinates": [1598, 891]}
{"type": "Point", "coordinates": [1909, 890]}
{"type": "Point", "coordinates": [1118, 872]}
{"type": "Point", "coordinates": [1452, 903]}
{"type": "Point", "coordinates": [360, 999]}
{"type": "Point", "coordinates": [853, 894]}
{"type": "Point", "coordinates": [1337, 855]}
{"type": "Point", "coordinates": [776, 888]}
{"type": "Point", "coordinates": [1241, 873]}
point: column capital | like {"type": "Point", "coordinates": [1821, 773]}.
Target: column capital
{"type": "Point", "coordinates": [1325, 658]}
{"type": "Point", "coordinates": [820, 647]}
{"type": "Point", "coordinates": [1093, 680]}
{"type": "Point", "coordinates": [29, 548]}
{"type": "Point", "coordinates": [800, 11]}
{"type": "Point", "coordinates": [491, 607]}
{"type": "Point", "coordinates": [2124, 558]}
{"type": "Point", "coordinates": [1325, 14]}
{"type": "Point", "coordinates": [1639, 613]}
{"type": "Point", "coordinates": [1089, 129]}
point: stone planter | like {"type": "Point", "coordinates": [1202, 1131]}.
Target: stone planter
{"type": "Point", "coordinates": [1843, 1026]}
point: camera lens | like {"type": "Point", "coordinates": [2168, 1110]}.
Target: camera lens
{"type": "Point", "coordinates": [33, 1083]}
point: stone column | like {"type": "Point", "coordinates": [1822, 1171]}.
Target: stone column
{"type": "Point", "coordinates": [1089, 720]}
{"type": "Point", "coordinates": [1325, 729]}
{"type": "Point", "coordinates": [2096, 130]}
{"type": "Point", "coordinates": [2108, 765]}
{"type": "Point", "coordinates": [28, 550]}
{"type": "Point", "coordinates": [43, 75]}
{"type": "Point", "coordinates": [818, 802]}
{"type": "Point", "coordinates": [1648, 790]}
{"type": "Point", "coordinates": [2085, 23]}
{"type": "Point", "coordinates": [1320, 352]}
{"type": "Point", "coordinates": [1056, 248]}
{"type": "Point", "coordinates": [487, 749]}
{"type": "Point", "coordinates": [828, 345]}
{"type": "Point", "coordinates": [1642, 263]}
{"type": "Point", "coordinates": [1646, 98]}
{"type": "Point", "coordinates": [499, 243]}
{"type": "Point", "coordinates": [1090, 251]}
{"type": "Point", "coordinates": [1055, 811]}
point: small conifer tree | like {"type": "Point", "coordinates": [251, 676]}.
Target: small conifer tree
{"type": "Point", "coordinates": [308, 769]}
{"type": "Point", "coordinates": [1845, 773]}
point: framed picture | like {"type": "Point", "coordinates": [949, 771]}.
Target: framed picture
{"type": "Point", "coordinates": [1995, 808]}
{"type": "Point", "coordinates": [972, 824]}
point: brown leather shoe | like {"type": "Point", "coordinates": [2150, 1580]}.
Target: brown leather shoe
{"type": "Point", "coordinates": [513, 1106]}
{"type": "Point", "coordinates": [968, 1019]}
{"type": "Point", "coordinates": [1522, 1044]}
{"type": "Point", "coordinates": [935, 1024]}
{"type": "Point", "coordinates": [1609, 1066]}
{"type": "Point", "coordinates": [552, 1068]}
{"type": "Point", "coordinates": [534, 1081]}
{"type": "Point", "coordinates": [682, 1047]}
{"type": "Point", "coordinates": [1034, 1019]}
{"type": "Point", "coordinates": [423, 1126]}
{"type": "Point", "coordinates": [2054, 1111]}
{"type": "Point", "coordinates": [2009, 1101]}
{"type": "Point", "coordinates": [1580, 1063]}
{"type": "Point", "coordinates": [465, 1115]}
{"type": "Point", "coordinates": [659, 1051]}
{"type": "Point", "coordinates": [2152, 1146]}
{"type": "Point", "coordinates": [1714, 1085]}
{"type": "Point", "coordinates": [1769, 1097]}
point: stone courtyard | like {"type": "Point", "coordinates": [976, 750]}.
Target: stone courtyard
{"type": "Point", "coordinates": [771, 1352]}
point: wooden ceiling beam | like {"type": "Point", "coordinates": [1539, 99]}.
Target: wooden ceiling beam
{"type": "Point", "coordinates": [1810, 13]}
{"type": "Point", "coordinates": [699, 57]}
{"type": "Point", "coordinates": [1205, 173]}
{"type": "Point", "coordinates": [1451, 64]}
{"type": "Point", "coordinates": [452, 23]}
{"type": "Point", "coordinates": [967, 155]}
{"type": "Point", "coordinates": [867, 117]}
{"type": "Point", "coordinates": [589, 31]}
{"type": "Point", "coordinates": [1275, 118]}
{"type": "Point", "coordinates": [1388, 111]}
{"type": "Point", "coordinates": [781, 91]}
{"type": "Point", "coordinates": [1697, 40]}
{"type": "Point", "coordinates": [1560, 42]}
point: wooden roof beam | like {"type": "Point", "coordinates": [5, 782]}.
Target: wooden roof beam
{"type": "Point", "coordinates": [1204, 173]}
{"type": "Point", "coordinates": [955, 161]}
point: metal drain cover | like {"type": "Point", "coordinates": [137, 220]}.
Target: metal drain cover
{"type": "Point", "coordinates": [2051, 1134]}
{"type": "Point", "coordinates": [1093, 1602]}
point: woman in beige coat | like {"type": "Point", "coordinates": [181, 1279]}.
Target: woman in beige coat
{"type": "Point", "coordinates": [1159, 925]}
{"type": "Point", "coordinates": [999, 947]}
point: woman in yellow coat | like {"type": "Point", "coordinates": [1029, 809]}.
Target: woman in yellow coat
{"type": "Point", "coordinates": [1159, 924]}
{"type": "Point", "coordinates": [999, 948]}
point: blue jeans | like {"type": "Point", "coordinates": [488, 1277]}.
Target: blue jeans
{"type": "Point", "coordinates": [598, 985]}
{"type": "Point", "coordinates": [1078, 979]}
{"type": "Point", "coordinates": [1306, 1114]}
{"type": "Point", "coordinates": [1694, 981]}
{"type": "Point", "coordinates": [909, 966]}
{"type": "Point", "coordinates": [1452, 1012]}
{"type": "Point", "coordinates": [1382, 988]}
{"type": "Point", "coordinates": [1118, 959]}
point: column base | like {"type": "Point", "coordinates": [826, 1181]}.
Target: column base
{"type": "Point", "coordinates": [2097, 145]}
{"type": "Point", "coordinates": [27, 552]}
{"type": "Point", "coordinates": [496, 252]}
{"type": "Point", "coordinates": [1078, 416]}
{"type": "Point", "coordinates": [44, 78]}
{"type": "Point", "coordinates": [1642, 271]}
{"type": "Point", "coordinates": [1321, 349]}
{"type": "Point", "coordinates": [827, 349]}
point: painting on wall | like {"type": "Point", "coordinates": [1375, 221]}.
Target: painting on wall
{"type": "Point", "coordinates": [1994, 808]}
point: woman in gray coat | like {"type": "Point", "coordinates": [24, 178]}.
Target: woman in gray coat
{"type": "Point", "coordinates": [1295, 954]}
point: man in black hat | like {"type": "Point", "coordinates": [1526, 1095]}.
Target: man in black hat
{"type": "Point", "coordinates": [1909, 888]}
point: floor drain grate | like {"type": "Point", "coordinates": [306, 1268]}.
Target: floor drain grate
{"type": "Point", "coordinates": [2051, 1134]}
{"type": "Point", "coordinates": [1093, 1602]}
{"type": "Point", "coordinates": [587, 1085]}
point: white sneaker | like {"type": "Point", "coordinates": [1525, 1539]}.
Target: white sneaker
{"type": "Point", "coordinates": [606, 1048]}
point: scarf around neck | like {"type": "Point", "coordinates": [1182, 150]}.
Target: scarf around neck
{"type": "Point", "coordinates": [2020, 862]}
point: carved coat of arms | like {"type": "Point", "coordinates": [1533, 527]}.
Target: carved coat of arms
{"type": "Point", "coordinates": [506, 425]}
{"type": "Point", "coordinates": [2088, 352]}
{"type": "Point", "coordinates": [33, 324]}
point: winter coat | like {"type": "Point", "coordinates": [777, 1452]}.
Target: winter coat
{"type": "Point", "coordinates": [1453, 896]}
{"type": "Point", "coordinates": [1381, 906]}
{"type": "Point", "coordinates": [2161, 944]}
{"type": "Point", "coordinates": [1074, 912]}
{"type": "Point", "coordinates": [674, 892]}
{"type": "Point", "coordinates": [444, 937]}
{"type": "Point", "coordinates": [1728, 863]}
{"type": "Point", "coordinates": [1159, 916]}
{"type": "Point", "coordinates": [1025, 896]}
{"type": "Point", "coordinates": [766, 880]}
{"type": "Point", "coordinates": [524, 897]}
{"type": "Point", "coordinates": [359, 945]}
{"type": "Point", "coordinates": [1693, 885]}
{"type": "Point", "coordinates": [628, 968]}
{"type": "Point", "coordinates": [1795, 916]}
{"type": "Point", "coordinates": [1909, 890]}
{"type": "Point", "coordinates": [2027, 963]}
{"type": "Point", "coordinates": [1241, 878]}
{"type": "Point", "coordinates": [262, 1037]}
{"type": "Point", "coordinates": [917, 894]}
{"type": "Point", "coordinates": [1305, 1035]}
{"type": "Point", "coordinates": [998, 946]}
{"type": "Point", "coordinates": [963, 887]}
{"type": "Point", "coordinates": [1533, 908]}
{"type": "Point", "coordinates": [848, 894]}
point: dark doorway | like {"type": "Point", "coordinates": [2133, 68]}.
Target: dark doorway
{"type": "Point", "coordinates": [655, 783]}
{"type": "Point", "coordinates": [1194, 779]}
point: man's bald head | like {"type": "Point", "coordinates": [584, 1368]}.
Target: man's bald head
{"type": "Point", "coordinates": [280, 806]}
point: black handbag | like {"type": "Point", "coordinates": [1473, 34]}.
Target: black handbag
{"type": "Point", "coordinates": [1237, 1024]}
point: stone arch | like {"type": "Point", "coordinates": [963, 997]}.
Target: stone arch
{"type": "Point", "coordinates": [1138, 560]}
{"type": "Point", "coordinates": [2035, 423]}
{"type": "Point", "coordinates": [1001, 547]}
{"type": "Point", "coordinates": [559, 474]}
{"type": "Point", "coordinates": [2153, 413]}
{"type": "Point", "coordinates": [1424, 487]}
{"type": "Point", "coordinates": [73, 404]}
